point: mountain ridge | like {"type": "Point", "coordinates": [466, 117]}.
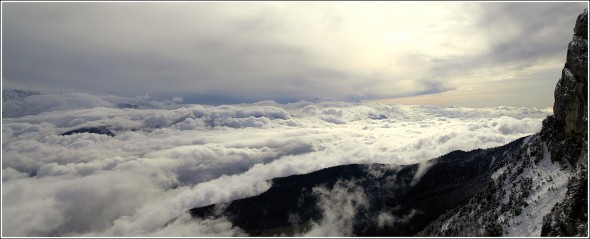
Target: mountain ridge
{"type": "Point", "coordinates": [406, 196]}
{"type": "Point", "coordinates": [483, 192]}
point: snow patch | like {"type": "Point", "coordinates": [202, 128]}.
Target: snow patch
{"type": "Point", "coordinates": [549, 187]}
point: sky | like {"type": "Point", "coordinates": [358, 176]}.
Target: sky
{"type": "Point", "coordinates": [451, 53]}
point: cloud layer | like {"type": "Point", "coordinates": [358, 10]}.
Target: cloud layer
{"type": "Point", "coordinates": [166, 158]}
{"type": "Point", "coordinates": [246, 52]}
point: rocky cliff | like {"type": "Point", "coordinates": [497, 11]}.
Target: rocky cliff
{"type": "Point", "coordinates": [571, 93]}
{"type": "Point", "coordinates": [567, 135]}
{"type": "Point", "coordinates": [542, 189]}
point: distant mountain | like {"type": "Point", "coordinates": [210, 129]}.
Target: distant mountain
{"type": "Point", "coordinates": [533, 186]}
{"type": "Point", "coordinates": [18, 103]}
{"type": "Point", "coordinates": [16, 95]}
{"type": "Point", "coordinates": [92, 130]}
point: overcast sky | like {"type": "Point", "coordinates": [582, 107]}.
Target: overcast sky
{"type": "Point", "coordinates": [452, 53]}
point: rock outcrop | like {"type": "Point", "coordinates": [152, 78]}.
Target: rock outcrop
{"type": "Point", "coordinates": [91, 130]}
{"type": "Point", "coordinates": [550, 170]}
{"type": "Point", "coordinates": [567, 129]}
{"type": "Point", "coordinates": [571, 93]}
{"type": "Point", "coordinates": [566, 134]}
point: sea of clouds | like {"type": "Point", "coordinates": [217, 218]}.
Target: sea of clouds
{"type": "Point", "coordinates": [168, 157]}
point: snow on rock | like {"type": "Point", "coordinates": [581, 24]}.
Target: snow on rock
{"type": "Point", "coordinates": [524, 187]}
{"type": "Point", "coordinates": [548, 183]}
{"type": "Point", "coordinates": [541, 190]}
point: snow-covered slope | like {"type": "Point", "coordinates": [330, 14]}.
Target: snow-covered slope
{"type": "Point", "coordinates": [542, 190]}
{"type": "Point", "coordinates": [525, 188]}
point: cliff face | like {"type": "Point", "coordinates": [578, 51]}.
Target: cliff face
{"type": "Point", "coordinates": [567, 135]}
{"type": "Point", "coordinates": [542, 189]}
{"type": "Point", "coordinates": [566, 132]}
{"type": "Point", "coordinates": [571, 93]}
